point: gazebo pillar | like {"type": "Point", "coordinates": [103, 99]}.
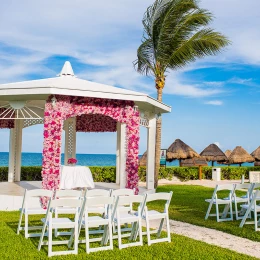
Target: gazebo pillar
{"type": "Point", "coordinates": [70, 139]}
{"type": "Point", "coordinates": [150, 163]}
{"type": "Point", "coordinates": [15, 150]}
{"type": "Point", "coordinates": [121, 155]}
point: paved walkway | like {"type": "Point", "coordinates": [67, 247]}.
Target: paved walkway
{"type": "Point", "coordinates": [214, 237]}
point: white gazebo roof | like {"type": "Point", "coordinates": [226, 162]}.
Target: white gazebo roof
{"type": "Point", "coordinates": [67, 84]}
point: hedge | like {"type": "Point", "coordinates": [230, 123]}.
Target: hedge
{"type": "Point", "coordinates": [108, 173]}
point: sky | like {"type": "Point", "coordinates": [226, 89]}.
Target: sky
{"type": "Point", "coordinates": [213, 100]}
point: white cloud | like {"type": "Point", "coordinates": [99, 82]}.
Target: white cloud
{"type": "Point", "coordinates": [218, 144]}
{"type": "Point", "coordinates": [214, 102]}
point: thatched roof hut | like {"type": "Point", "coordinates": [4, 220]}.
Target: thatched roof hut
{"type": "Point", "coordinates": [213, 153]}
{"type": "Point", "coordinates": [256, 153]}
{"type": "Point", "coordinates": [239, 156]}
{"type": "Point", "coordinates": [257, 163]}
{"type": "Point", "coordinates": [228, 152]}
{"type": "Point", "coordinates": [143, 159]}
{"type": "Point", "coordinates": [179, 150]}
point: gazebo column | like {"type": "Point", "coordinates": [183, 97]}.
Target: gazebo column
{"type": "Point", "coordinates": [121, 155]}
{"type": "Point", "coordinates": [70, 139]}
{"type": "Point", "coordinates": [150, 164]}
{"type": "Point", "coordinates": [118, 131]}
{"type": "Point", "coordinates": [15, 150]}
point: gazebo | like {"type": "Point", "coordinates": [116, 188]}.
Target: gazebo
{"type": "Point", "coordinates": [72, 104]}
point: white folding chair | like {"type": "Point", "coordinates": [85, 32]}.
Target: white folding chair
{"type": "Point", "coordinates": [51, 223]}
{"type": "Point", "coordinates": [217, 201]}
{"type": "Point", "coordinates": [148, 215]}
{"type": "Point", "coordinates": [66, 194]}
{"type": "Point", "coordinates": [246, 188]}
{"type": "Point", "coordinates": [252, 207]}
{"type": "Point", "coordinates": [31, 197]}
{"type": "Point", "coordinates": [92, 206]}
{"type": "Point", "coordinates": [120, 216]}
{"type": "Point", "coordinates": [123, 192]}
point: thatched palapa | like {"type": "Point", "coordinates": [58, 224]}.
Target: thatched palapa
{"type": "Point", "coordinates": [179, 150]}
{"type": "Point", "coordinates": [239, 156]}
{"type": "Point", "coordinates": [256, 154]}
{"type": "Point", "coordinates": [213, 153]}
{"type": "Point", "coordinates": [143, 159]}
{"type": "Point", "coordinates": [228, 152]}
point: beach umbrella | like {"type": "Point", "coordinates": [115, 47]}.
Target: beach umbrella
{"type": "Point", "coordinates": [239, 156]}
{"type": "Point", "coordinates": [179, 151]}
{"type": "Point", "coordinates": [256, 153]}
{"type": "Point", "coordinates": [213, 153]}
{"type": "Point", "coordinates": [143, 159]}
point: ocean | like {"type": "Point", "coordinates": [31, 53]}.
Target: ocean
{"type": "Point", "coordinates": [35, 159]}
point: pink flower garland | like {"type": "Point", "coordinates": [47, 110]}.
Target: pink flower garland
{"type": "Point", "coordinates": [99, 109]}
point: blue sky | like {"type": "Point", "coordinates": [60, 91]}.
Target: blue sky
{"type": "Point", "coordinates": [213, 100]}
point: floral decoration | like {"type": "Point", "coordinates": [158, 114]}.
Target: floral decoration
{"type": "Point", "coordinates": [72, 161]}
{"type": "Point", "coordinates": [67, 106]}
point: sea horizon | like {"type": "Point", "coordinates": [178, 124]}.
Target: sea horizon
{"type": "Point", "coordinates": [35, 159]}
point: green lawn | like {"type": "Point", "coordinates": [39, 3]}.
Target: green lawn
{"type": "Point", "coordinates": [188, 205]}
{"type": "Point", "coordinates": [14, 246]}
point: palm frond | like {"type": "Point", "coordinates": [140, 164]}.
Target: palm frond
{"type": "Point", "coordinates": [203, 43]}
{"type": "Point", "coordinates": [145, 58]}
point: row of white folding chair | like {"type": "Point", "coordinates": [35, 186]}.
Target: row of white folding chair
{"type": "Point", "coordinates": [232, 198]}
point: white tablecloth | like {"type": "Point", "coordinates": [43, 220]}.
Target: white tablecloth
{"type": "Point", "coordinates": [75, 177]}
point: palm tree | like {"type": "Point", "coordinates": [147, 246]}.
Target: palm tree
{"type": "Point", "coordinates": [175, 34]}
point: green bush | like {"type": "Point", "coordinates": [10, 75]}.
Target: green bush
{"type": "Point", "coordinates": [108, 173]}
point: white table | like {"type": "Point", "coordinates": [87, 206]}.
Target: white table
{"type": "Point", "coordinates": [76, 177]}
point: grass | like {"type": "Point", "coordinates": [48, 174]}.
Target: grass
{"type": "Point", "coordinates": [188, 205]}
{"type": "Point", "coordinates": [14, 246]}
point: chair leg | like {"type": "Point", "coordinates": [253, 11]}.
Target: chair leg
{"type": "Point", "coordinates": [110, 235]}
{"type": "Point", "coordinates": [236, 211]}
{"type": "Point", "coordinates": [50, 241]}
{"type": "Point", "coordinates": [20, 222]}
{"type": "Point", "coordinates": [217, 212]}
{"type": "Point", "coordinates": [87, 238]}
{"type": "Point", "coordinates": [168, 229]}
{"type": "Point", "coordinates": [26, 225]}
{"type": "Point", "coordinates": [160, 228]}
{"type": "Point", "coordinates": [76, 238]}
{"type": "Point", "coordinates": [148, 231]}
{"type": "Point", "coordinates": [119, 234]}
{"type": "Point", "coordinates": [140, 231]}
{"type": "Point", "coordinates": [208, 211]}
{"type": "Point", "coordinates": [56, 230]}
{"type": "Point", "coordinates": [255, 219]}
{"type": "Point", "coordinates": [42, 235]}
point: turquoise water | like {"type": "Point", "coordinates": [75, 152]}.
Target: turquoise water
{"type": "Point", "coordinates": [35, 159]}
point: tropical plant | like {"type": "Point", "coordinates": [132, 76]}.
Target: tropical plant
{"type": "Point", "coordinates": [175, 34]}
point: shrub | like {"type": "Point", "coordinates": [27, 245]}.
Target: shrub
{"type": "Point", "coordinates": [108, 173]}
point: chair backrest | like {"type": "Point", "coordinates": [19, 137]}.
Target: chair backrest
{"type": "Point", "coordinates": [129, 200]}
{"type": "Point", "coordinates": [229, 187]}
{"type": "Point", "coordinates": [97, 205]}
{"type": "Point", "coordinates": [98, 193]}
{"type": "Point", "coordinates": [58, 203]}
{"type": "Point", "coordinates": [159, 196]}
{"type": "Point", "coordinates": [38, 193]}
{"type": "Point", "coordinates": [68, 194]}
{"type": "Point", "coordinates": [30, 195]}
{"type": "Point", "coordinates": [122, 192]}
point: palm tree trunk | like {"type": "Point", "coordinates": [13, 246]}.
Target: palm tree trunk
{"type": "Point", "coordinates": [158, 142]}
